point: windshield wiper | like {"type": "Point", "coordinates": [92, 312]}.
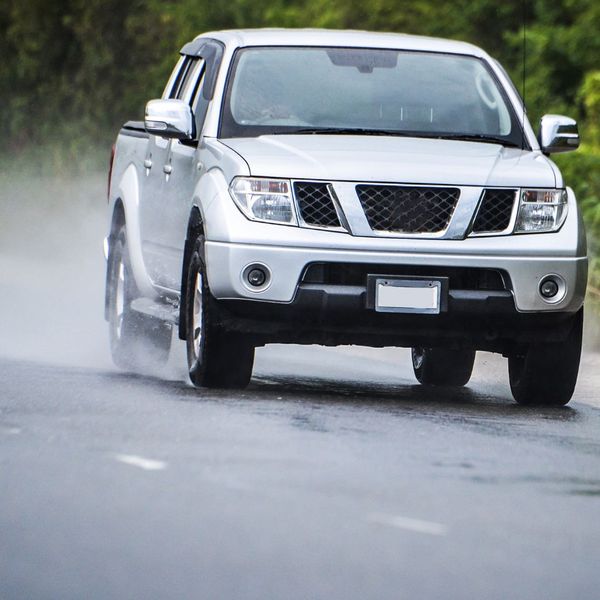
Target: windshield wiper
{"type": "Point", "coordinates": [342, 131]}
{"type": "Point", "coordinates": [479, 137]}
{"type": "Point", "coordinates": [467, 137]}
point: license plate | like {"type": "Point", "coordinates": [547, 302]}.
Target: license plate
{"type": "Point", "coordinates": [408, 295]}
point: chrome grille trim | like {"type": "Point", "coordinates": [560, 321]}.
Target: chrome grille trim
{"type": "Point", "coordinates": [397, 209]}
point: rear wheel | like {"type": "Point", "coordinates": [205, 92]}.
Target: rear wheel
{"type": "Point", "coordinates": [439, 366]}
{"type": "Point", "coordinates": [137, 341]}
{"type": "Point", "coordinates": [546, 374]}
{"type": "Point", "coordinates": [216, 358]}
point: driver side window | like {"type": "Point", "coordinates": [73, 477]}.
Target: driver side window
{"type": "Point", "coordinates": [177, 77]}
{"type": "Point", "coordinates": [186, 84]}
{"type": "Point", "coordinates": [192, 82]}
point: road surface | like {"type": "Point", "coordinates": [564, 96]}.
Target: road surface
{"type": "Point", "coordinates": [332, 476]}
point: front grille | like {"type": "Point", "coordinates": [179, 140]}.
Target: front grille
{"type": "Point", "coordinates": [402, 209]}
{"type": "Point", "coordinates": [460, 278]}
{"type": "Point", "coordinates": [316, 204]}
{"type": "Point", "coordinates": [495, 211]}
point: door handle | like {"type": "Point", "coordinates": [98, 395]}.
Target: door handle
{"type": "Point", "coordinates": [167, 169]}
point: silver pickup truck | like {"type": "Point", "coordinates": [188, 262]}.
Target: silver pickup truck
{"type": "Point", "coordinates": [332, 187]}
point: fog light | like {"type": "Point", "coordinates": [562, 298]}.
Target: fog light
{"type": "Point", "coordinates": [549, 288]}
{"type": "Point", "coordinates": [256, 277]}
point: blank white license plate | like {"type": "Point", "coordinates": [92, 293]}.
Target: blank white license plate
{"type": "Point", "coordinates": [407, 295]}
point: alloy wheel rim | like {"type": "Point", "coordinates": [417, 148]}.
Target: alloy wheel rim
{"type": "Point", "coordinates": [197, 315]}
{"type": "Point", "coordinates": [418, 356]}
{"type": "Point", "coordinates": [119, 298]}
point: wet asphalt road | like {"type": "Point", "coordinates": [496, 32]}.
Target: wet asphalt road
{"type": "Point", "coordinates": [334, 476]}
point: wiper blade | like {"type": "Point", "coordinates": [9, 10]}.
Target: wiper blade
{"type": "Point", "coordinates": [343, 131]}
{"type": "Point", "coordinates": [467, 137]}
{"type": "Point", "coordinates": [480, 137]}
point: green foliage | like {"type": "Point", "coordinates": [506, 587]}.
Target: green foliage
{"type": "Point", "coordinates": [590, 97]}
{"type": "Point", "coordinates": [95, 62]}
{"type": "Point", "coordinates": [581, 169]}
{"type": "Point", "coordinates": [73, 70]}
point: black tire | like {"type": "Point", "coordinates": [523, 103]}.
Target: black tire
{"type": "Point", "coordinates": [137, 341]}
{"type": "Point", "coordinates": [439, 366]}
{"type": "Point", "coordinates": [546, 374]}
{"type": "Point", "coordinates": [216, 358]}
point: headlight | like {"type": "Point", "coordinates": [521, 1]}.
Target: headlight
{"type": "Point", "coordinates": [541, 210]}
{"type": "Point", "coordinates": [264, 199]}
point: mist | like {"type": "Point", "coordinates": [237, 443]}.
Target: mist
{"type": "Point", "coordinates": [52, 268]}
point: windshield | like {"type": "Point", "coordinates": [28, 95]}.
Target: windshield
{"type": "Point", "coordinates": [278, 90]}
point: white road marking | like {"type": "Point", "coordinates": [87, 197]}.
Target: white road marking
{"type": "Point", "coordinates": [147, 464]}
{"type": "Point", "coordinates": [416, 525]}
{"type": "Point", "coordinates": [11, 430]}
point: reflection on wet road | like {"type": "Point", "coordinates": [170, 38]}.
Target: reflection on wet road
{"type": "Point", "coordinates": [332, 476]}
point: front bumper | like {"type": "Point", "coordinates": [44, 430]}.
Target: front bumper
{"type": "Point", "coordinates": [226, 263]}
{"type": "Point", "coordinates": [336, 314]}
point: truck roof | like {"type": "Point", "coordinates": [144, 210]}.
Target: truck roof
{"type": "Point", "coordinates": [339, 38]}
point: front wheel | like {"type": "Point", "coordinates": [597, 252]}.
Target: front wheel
{"type": "Point", "coordinates": [546, 374]}
{"type": "Point", "coordinates": [216, 358]}
{"type": "Point", "coordinates": [439, 366]}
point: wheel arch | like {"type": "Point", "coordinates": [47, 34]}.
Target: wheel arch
{"type": "Point", "coordinates": [118, 219]}
{"type": "Point", "coordinates": [195, 228]}
{"type": "Point", "coordinates": [125, 207]}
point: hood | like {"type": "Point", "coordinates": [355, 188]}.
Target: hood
{"type": "Point", "coordinates": [392, 159]}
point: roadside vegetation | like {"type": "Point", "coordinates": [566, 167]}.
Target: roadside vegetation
{"type": "Point", "coordinates": [73, 70]}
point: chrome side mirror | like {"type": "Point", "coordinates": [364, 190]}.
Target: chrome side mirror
{"type": "Point", "coordinates": [558, 134]}
{"type": "Point", "coordinates": [170, 119]}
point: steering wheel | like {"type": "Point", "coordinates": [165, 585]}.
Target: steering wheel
{"type": "Point", "coordinates": [481, 83]}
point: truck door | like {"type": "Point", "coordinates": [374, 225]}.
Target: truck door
{"type": "Point", "coordinates": [156, 218]}
{"type": "Point", "coordinates": [180, 174]}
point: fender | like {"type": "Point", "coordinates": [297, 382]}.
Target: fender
{"type": "Point", "coordinates": [206, 200]}
{"type": "Point", "coordinates": [128, 192]}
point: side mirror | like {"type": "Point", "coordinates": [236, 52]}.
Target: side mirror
{"type": "Point", "coordinates": [558, 134]}
{"type": "Point", "coordinates": [171, 119]}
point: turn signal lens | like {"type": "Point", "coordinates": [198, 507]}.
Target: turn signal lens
{"type": "Point", "coordinates": [541, 211]}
